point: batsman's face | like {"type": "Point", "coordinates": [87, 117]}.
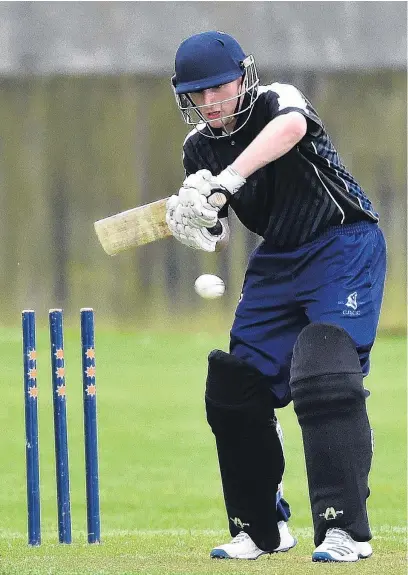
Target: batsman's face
{"type": "Point", "coordinates": [218, 104]}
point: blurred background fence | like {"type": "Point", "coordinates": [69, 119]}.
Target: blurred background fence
{"type": "Point", "coordinates": [89, 127]}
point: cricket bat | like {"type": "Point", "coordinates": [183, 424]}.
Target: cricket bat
{"type": "Point", "coordinates": [141, 225]}
{"type": "Point", "coordinates": [133, 228]}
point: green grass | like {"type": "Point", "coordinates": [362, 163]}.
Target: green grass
{"type": "Point", "coordinates": [161, 501]}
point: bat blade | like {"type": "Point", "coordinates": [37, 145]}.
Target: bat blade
{"type": "Point", "coordinates": [133, 228]}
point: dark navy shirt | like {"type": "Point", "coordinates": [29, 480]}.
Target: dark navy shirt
{"type": "Point", "coordinates": [298, 196]}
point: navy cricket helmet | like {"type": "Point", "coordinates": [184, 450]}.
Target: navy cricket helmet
{"type": "Point", "coordinates": [207, 60]}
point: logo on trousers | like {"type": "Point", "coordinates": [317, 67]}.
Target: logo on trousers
{"type": "Point", "coordinates": [352, 301]}
{"type": "Point", "coordinates": [238, 523]}
{"type": "Point", "coordinates": [330, 514]}
{"type": "Point", "coordinates": [352, 305]}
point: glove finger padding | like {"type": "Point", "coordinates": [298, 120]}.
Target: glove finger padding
{"type": "Point", "coordinates": [202, 214]}
{"type": "Point", "coordinates": [198, 179]}
{"type": "Point", "coordinates": [172, 203]}
{"type": "Point", "coordinates": [199, 239]}
{"type": "Point", "coordinates": [188, 195]}
{"type": "Point", "coordinates": [196, 208]}
{"type": "Point", "coordinates": [204, 240]}
{"type": "Point", "coordinates": [178, 215]}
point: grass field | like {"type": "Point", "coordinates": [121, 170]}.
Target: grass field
{"type": "Point", "coordinates": [161, 502]}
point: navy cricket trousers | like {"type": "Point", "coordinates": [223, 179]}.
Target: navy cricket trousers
{"type": "Point", "coordinates": [337, 278]}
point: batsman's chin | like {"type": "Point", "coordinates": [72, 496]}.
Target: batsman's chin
{"type": "Point", "coordinates": [215, 122]}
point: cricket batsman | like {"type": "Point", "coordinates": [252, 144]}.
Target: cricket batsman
{"type": "Point", "coordinates": [307, 318]}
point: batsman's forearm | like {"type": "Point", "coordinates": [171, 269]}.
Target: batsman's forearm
{"type": "Point", "coordinates": [275, 140]}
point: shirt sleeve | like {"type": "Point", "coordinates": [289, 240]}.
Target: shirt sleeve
{"type": "Point", "coordinates": [284, 98]}
{"type": "Point", "coordinates": [188, 164]}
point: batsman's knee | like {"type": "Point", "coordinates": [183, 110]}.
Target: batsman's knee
{"type": "Point", "coordinates": [325, 372]}
{"type": "Point", "coordinates": [237, 394]}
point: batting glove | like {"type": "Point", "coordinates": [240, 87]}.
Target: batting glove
{"type": "Point", "coordinates": [203, 195]}
{"type": "Point", "coordinates": [228, 181]}
{"type": "Point", "coordinates": [196, 238]}
{"type": "Point", "coordinates": [193, 197]}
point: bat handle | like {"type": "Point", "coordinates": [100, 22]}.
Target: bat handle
{"type": "Point", "coordinates": [218, 198]}
{"type": "Point", "coordinates": [216, 230]}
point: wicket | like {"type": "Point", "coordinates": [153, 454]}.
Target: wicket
{"type": "Point", "coordinates": [60, 425]}
{"type": "Point", "coordinates": [90, 424]}
{"type": "Point", "coordinates": [31, 428]}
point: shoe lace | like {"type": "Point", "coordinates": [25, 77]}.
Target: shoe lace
{"type": "Point", "coordinates": [242, 536]}
{"type": "Point", "coordinates": [335, 537]}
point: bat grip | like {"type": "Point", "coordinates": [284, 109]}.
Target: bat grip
{"type": "Point", "coordinates": [216, 230]}
{"type": "Point", "coordinates": [218, 198]}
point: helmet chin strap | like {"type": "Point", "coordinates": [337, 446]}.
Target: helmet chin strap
{"type": "Point", "coordinates": [224, 126]}
{"type": "Point", "coordinates": [240, 101]}
{"type": "Point", "coordinates": [238, 107]}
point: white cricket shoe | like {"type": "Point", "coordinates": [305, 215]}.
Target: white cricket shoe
{"type": "Point", "coordinates": [339, 546]}
{"type": "Point", "coordinates": [242, 546]}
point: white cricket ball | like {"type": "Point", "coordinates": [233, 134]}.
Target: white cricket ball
{"type": "Point", "coordinates": [209, 286]}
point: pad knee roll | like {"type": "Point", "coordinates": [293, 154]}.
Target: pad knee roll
{"type": "Point", "coordinates": [325, 372]}
{"type": "Point", "coordinates": [236, 391]}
